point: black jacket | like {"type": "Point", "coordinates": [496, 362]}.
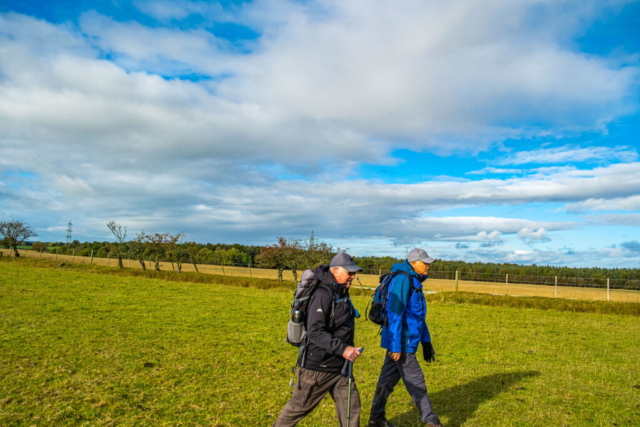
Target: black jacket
{"type": "Point", "coordinates": [328, 339]}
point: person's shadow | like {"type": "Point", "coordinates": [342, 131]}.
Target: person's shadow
{"type": "Point", "coordinates": [459, 403]}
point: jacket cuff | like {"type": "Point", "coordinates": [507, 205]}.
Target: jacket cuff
{"type": "Point", "coordinates": [396, 348]}
{"type": "Point", "coordinates": [341, 349]}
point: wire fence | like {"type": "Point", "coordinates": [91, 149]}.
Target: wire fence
{"type": "Point", "coordinates": [439, 281]}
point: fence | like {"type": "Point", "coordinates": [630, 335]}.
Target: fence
{"type": "Point", "coordinates": [439, 281]}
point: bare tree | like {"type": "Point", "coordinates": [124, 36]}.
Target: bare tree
{"type": "Point", "coordinates": [175, 249]}
{"type": "Point", "coordinates": [15, 232]}
{"type": "Point", "coordinates": [139, 247]}
{"type": "Point", "coordinates": [156, 244]}
{"type": "Point", "coordinates": [120, 232]}
{"type": "Point", "coordinates": [195, 255]}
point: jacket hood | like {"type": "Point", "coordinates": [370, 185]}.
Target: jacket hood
{"type": "Point", "coordinates": [324, 274]}
{"type": "Point", "coordinates": [406, 267]}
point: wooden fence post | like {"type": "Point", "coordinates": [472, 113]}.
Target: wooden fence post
{"type": "Point", "coordinates": [250, 275]}
{"type": "Point", "coordinates": [73, 257]}
{"type": "Point", "coordinates": [223, 273]}
{"type": "Point", "coordinates": [506, 285]}
{"type": "Point", "coordinates": [607, 289]}
{"type": "Point", "coordinates": [40, 253]}
{"type": "Point", "coordinates": [56, 254]}
{"type": "Point", "coordinates": [380, 272]}
{"type": "Point", "coordinates": [556, 286]}
{"type": "Point", "coordinates": [91, 262]}
{"type": "Point", "coordinates": [456, 280]}
{"type": "Point", "coordinates": [108, 259]}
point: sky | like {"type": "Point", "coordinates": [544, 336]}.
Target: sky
{"type": "Point", "coordinates": [480, 131]}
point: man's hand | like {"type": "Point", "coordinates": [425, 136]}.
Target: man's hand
{"type": "Point", "coordinates": [428, 352]}
{"type": "Point", "coordinates": [351, 353]}
{"type": "Point", "coordinates": [395, 356]}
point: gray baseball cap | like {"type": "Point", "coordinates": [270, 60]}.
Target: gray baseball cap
{"type": "Point", "coordinates": [345, 261]}
{"type": "Point", "coordinates": [418, 254]}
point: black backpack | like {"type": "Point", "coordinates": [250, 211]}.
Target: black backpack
{"type": "Point", "coordinates": [296, 329]}
{"type": "Point", "coordinates": [378, 312]}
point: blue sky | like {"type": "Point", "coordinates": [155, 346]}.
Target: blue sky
{"type": "Point", "coordinates": [500, 132]}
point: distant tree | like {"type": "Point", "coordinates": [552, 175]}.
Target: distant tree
{"type": "Point", "coordinates": [120, 232]}
{"type": "Point", "coordinates": [40, 246]}
{"type": "Point", "coordinates": [175, 249]}
{"type": "Point", "coordinates": [138, 247]}
{"type": "Point", "coordinates": [15, 233]}
{"type": "Point", "coordinates": [275, 256]}
{"type": "Point", "coordinates": [195, 253]}
{"type": "Point", "coordinates": [156, 244]}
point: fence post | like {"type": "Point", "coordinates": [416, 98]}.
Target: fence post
{"type": "Point", "coordinates": [56, 254]}
{"type": "Point", "coordinates": [556, 286]}
{"type": "Point", "coordinates": [607, 289]}
{"type": "Point", "coordinates": [73, 256]}
{"type": "Point", "coordinates": [506, 285]}
{"type": "Point", "coordinates": [456, 280]}
{"type": "Point", "coordinates": [223, 273]}
{"type": "Point", "coordinates": [250, 275]}
{"type": "Point", "coordinates": [108, 259]}
{"type": "Point", "coordinates": [129, 260]}
{"type": "Point", "coordinates": [379, 272]}
{"type": "Point", "coordinates": [91, 262]}
{"type": "Point", "coordinates": [40, 253]}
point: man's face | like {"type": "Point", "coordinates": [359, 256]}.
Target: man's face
{"type": "Point", "coordinates": [342, 276]}
{"type": "Point", "coordinates": [420, 267]}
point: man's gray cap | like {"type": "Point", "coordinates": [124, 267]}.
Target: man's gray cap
{"type": "Point", "coordinates": [419, 255]}
{"type": "Point", "coordinates": [345, 261]}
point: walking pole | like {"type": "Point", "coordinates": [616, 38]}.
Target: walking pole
{"type": "Point", "coordinates": [349, 394]}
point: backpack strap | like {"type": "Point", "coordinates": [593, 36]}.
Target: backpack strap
{"type": "Point", "coordinates": [334, 299]}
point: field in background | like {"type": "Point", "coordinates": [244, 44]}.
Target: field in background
{"type": "Point", "coordinates": [91, 349]}
{"type": "Point", "coordinates": [369, 280]}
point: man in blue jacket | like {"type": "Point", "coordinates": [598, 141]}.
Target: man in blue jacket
{"type": "Point", "coordinates": [406, 329]}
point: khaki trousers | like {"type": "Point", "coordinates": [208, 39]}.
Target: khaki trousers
{"type": "Point", "coordinates": [311, 388]}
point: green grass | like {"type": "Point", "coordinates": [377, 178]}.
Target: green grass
{"type": "Point", "coordinates": [80, 348]}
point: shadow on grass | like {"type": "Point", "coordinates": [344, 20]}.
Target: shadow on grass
{"type": "Point", "coordinates": [459, 403]}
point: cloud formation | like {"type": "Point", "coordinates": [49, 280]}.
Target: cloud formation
{"type": "Point", "coordinates": [170, 127]}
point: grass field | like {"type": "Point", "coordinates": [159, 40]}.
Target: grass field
{"type": "Point", "coordinates": [78, 348]}
{"type": "Point", "coordinates": [371, 280]}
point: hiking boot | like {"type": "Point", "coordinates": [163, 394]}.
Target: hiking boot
{"type": "Point", "coordinates": [379, 422]}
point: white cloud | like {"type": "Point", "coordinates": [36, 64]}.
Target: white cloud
{"type": "Point", "coordinates": [621, 220]}
{"type": "Point", "coordinates": [571, 154]}
{"type": "Point", "coordinates": [631, 203]}
{"type": "Point", "coordinates": [492, 170]}
{"type": "Point", "coordinates": [72, 187]}
{"type": "Point", "coordinates": [530, 236]}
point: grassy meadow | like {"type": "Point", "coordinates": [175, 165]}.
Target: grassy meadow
{"type": "Point", "coordinates": [81, 348]}
{"type": "Point", "coordinates": [371, 280]}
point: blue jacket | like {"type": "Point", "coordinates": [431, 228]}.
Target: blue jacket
{"type": "Point", "coordinates": [406, 312]}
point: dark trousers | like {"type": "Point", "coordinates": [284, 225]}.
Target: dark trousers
{"type": "Point", "coordinates": [311, 388]}
{"type": "Point", "coordinates": [409, 370]}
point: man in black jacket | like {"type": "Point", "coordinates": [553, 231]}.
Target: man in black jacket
{"type": "Point", "coordinates": [330, 331]}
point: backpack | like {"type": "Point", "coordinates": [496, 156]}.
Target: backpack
{"type": "Point", "coordinates": [296, 329]}
{"type": "Point", "coordinates": [378, 312]}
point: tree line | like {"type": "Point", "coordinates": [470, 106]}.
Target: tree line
{"type": "Point", "coordinates": [149, 249]}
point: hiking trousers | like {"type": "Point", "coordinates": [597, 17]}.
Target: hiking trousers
{"type": "Point", "coordinates": [311, 388]}
{"type": "Point", "coordinates": [410, 371]}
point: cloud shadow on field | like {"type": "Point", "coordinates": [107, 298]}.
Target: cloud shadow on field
{"type": "Point", "coordinates": [459, 403]}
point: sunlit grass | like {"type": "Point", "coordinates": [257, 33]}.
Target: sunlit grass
{"type": "Point", "coordinates": [94, 349]}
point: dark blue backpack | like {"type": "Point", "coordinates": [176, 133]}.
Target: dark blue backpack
{"type": "Point", "coordinates": [378, 312]}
